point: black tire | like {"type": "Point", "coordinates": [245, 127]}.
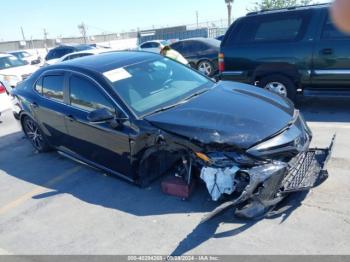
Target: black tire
{"type": "Point", "coordinates": [207, 66]}
{"type": "Point", "coordinates": [274, 80]}
{"type": "Point", "coordinates": [35, 135]}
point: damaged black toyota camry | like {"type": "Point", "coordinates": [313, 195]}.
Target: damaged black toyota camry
{"type": "Point", "coordinates": [142, 116]}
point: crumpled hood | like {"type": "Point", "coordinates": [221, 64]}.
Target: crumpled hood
{"type": "Point", "coordinates": [231, 113]}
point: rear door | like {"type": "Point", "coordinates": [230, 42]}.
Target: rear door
{"type": "Point", "coordinates": [49, 108]}
{"type": "Point", "coordinates": [331, 67]}
{"type": "Point", "coordinates": [100, 143]}
{"type": "Point", "coordinates": [280, 40]}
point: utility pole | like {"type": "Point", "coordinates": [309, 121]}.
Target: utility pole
{"type": "Point", "coordinates": [24, 38]}
{"type": "Point", "coordinates": [82, 28]}
{"type": "Point", "coordinates": [45, 39]}
{"type": "Point", "coordinates": [23, 42]}
{"type": "Point", "coordinates": [197, 16]}
{"type": "Point", "coordinates": [229, 4]}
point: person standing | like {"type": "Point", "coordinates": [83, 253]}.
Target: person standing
{"type": "Point", "coordinates": [173, 54]}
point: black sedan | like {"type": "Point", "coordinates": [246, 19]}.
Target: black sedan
{"type": "Point", "coordinates": [201, 53]}
{"type": "Point", "coordinates": [139, 115]}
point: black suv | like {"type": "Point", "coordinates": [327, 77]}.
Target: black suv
{"type": "Point", "coordinates": [288, 51]}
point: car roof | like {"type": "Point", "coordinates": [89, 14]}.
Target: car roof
{"type": "Point", "coordinates": [293, 8]}
{"type": "Point", "coordinates": [5, 55]}
{"type": "Point", "coordinates": [154, 41]}
{"type": "Point", "coordinates": [70, 46]}
{"type": "Point", "coordinates": [211, 41]}
{"type": "Point", "coordinates": [108, 61]}
{"type": "Point", "coordinates": [17, 51]}
{"type": "Point", "coordinates": [89, 51]}
{"type": "Point", "coordinates": [200, 39]}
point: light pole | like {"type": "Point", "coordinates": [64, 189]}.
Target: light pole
{"type": "Point", "coordinates": [229, 10]}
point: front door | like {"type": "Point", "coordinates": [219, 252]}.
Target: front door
{"type": "Point", "coordinates": [99, 143]}
{"type": "Point", "coordinates": [331, 65]}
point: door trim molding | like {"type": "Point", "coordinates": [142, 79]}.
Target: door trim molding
{"type": "Point", "coordinates": [332, 72]}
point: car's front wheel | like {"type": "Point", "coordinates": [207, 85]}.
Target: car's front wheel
{"type": "Point", "coordinates": [34, 134]}
{"type": "Point", "coordinates": [206, 67]}
{"type": "Point", "coordinates": [280, 85]}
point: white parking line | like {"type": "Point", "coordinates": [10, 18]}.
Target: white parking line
{"type": "Point", "coordinates": [37, 190]}
{"type": "Point", "coordinates": [329, 125]}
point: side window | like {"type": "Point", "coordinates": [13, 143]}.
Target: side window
{"type": "Point", "coordinates": [272, 28]}
{"type": "Point", "coordinates": [87, 96]}
{"type": "Point", "coordinates": [331, 32]}
{"type": "Point", "coordinates": [187, 47]}
{"type": "Point", "coordinates": [69, 57]}
{"type": "Point", "coordinates": [53, 86]}
{"type": "Point", "coordinates": [198, 46]}
{"type": "Point", "coordinates": [146, 45]}
{"type": "Point", "coordinates": [39, 87]}
{"type": "Point", "coordinates": [177, 46]}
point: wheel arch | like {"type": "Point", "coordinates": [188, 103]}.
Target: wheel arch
{"type": "Point", "coordinates": [284, 69]}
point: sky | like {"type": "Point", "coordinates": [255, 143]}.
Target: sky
{"type": "Point", "coordinates": [61, 17]}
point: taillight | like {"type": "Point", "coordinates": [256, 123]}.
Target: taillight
{"type": "Point", "coordinates": [221, 62]}
{"type": "Point", "coordinates": [2, 88]}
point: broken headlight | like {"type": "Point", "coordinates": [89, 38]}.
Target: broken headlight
{"type": "Point", "coordinates": [292, 141]}
{"type": "Point", "coordinates": [225, 159]}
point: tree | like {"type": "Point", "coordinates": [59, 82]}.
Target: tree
{"type": "Point", "coordinates": [229, 10]}
{"type": "Point", "coordinates": [273, 4]}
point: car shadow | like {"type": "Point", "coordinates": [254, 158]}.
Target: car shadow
{"type": "Point", "coordinates": [324, 109]}
{"type": "Point", "coordinates": [207, 230]}
{"type": "Point", "coordinates": [91, 186]}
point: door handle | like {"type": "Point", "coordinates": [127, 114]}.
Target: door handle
{"type": "Point", "coordinates": [70, 118]}
{"type": "Point", "coordinates": [327, 51]}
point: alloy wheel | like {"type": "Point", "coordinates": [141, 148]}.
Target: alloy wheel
{"type": "Point", "coordinates": [34, 134]}
{"type": "Point", "coordinates": [277, 88]}
{"type": "Point", "coordinates": [205, 68]}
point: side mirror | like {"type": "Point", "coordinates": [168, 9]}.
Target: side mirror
{"type": "Point", "coordinates": [100, 115]}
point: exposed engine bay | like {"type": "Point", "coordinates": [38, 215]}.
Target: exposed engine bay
{"type": "Point", "coordinates": [255, 181]}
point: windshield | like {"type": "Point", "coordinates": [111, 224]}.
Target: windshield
{"type": "Point", "coordinates": [10, 61]}
{"type": "Point", "coordinates": [151, 85]}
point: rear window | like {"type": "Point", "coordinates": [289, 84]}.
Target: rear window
{"type": "Point", "coordinates": [282, 27]}
{"type": "Point", "coordinates": [58, 53]}
{"type": "Point", "coordinates": [53, 87]}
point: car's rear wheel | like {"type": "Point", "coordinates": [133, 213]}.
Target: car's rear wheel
{"type": "Point", "coordinates": [280, 85]}
{"type": "Point", "coordinates": [34, 134]}
{"type": "Point", "coordinates": [206, 67]}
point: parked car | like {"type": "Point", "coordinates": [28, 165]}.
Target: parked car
{"type": "Point", "coordinates": [137, 115]}
{"type": "Point", "coordinates": [56, 53]}
{"type": "Point", "coordinates": [289, 51]}
{"type": "Point", "coordinates": [82, 54]}
{"type": "Point", "coordinates": [26, 56]}
{"type": "Point", "coordinates": [14, 70]}
{"type": "Point", "coordinates": [201, 53]}
{"type": "Point", "coordinates": [153, 46]}
{"type": "Point", "coordinates": [4, 98]}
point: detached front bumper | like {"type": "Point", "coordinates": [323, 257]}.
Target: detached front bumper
{"type": "Point", "coordinates": [307, 170]}
{"type": "Point", "coordinates": [264, 191]}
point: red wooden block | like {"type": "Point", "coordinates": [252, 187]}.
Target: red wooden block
{"type": "Point", "coordinates": [176, 186]}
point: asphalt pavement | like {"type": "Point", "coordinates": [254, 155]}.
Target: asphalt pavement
{"type": "Point", "coordinates": [52, 205]}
